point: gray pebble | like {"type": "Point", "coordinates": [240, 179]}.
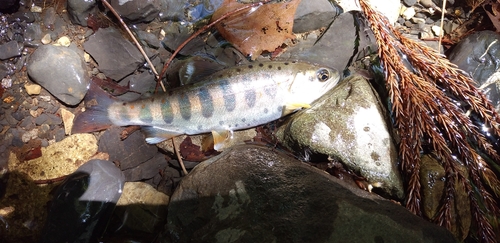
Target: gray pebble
{"type": "Point", "coordinates": [28, 123]}
{"type": "Point", "coordinates": [409, 3]}
{"type": "Point", "coordinates": [59, 134]}
{"type": "Point", "coordinates": [10, 49]}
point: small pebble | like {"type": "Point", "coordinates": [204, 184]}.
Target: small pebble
{"type": "Point", "coordinates": [33, 89]}
{"type": "Point", "coordinates": [437, 30]}
{"type": "Point", "coordinates": [408, 13]}
{"type": "Point", "coordinates": [46, 39]}
{"type": "Point", "coordinates": [67, 118]}
{"type": "Point", "coordinates": [36, 9]}
{"type": "Point", "coordinates": [64, 41]}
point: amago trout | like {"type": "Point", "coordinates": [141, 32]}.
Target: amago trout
{"type": "Point", "coordinates": [236, 98]}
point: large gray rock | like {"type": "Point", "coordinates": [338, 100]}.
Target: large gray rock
{"type": "Point", "coordinates": [256, 194]}
{"type": "Point", "coordinates": [116, 56]}
{"type": "Point", "coordinates": [79, 10]}
{"type": "Point", "coordinates": [313, 15]}
{"type": "Point", "coordinates": [137, 10]}
{"type": "Point", "coordinates": [348, 123]}
{"type": "Point", "coordinates": [60, 70]}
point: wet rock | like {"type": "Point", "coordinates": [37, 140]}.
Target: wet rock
{"type": "Point", "coordinates": [10, 49]}
{"type": "Point", "coordinates": [79, 10]}
{"type": "Point", "coordinates": [130, 152]}
{"type": "Point", "coordinates": [83, 203]}
{"type": "Point", "coordinates": [338, 41]}
{"type": "Point", "coordinates": [49, 17]}
{"type": "Point", "coordinates": [58, 159]}
{"type": "Point", "coordinates": [61, 71]}
{"type": "Point", "coordinates": [191, 11]}
{"type": "Point", "coordinates": [137, 10]}
{"type": "Point", "coordinates": [313, 15]}
{"type": "Point", "coordinates": [349, 124]}
{"type": "Point", "coordinates": [33, 34]}
{"type": "Point", "coordinates": [47, 118]}
{"type": "Point", "coordinates": [146, 170]}
{"type": "Point", "coordinates": [255, 194]}
{"type": "Point", "coordinates": [433, 181]}
{"type": "Point", "coordinates": [116, 56]}
{"type": "Point", "coordinates": [478, 55]}
{"type": "Point", "coordinates": [142, 207]}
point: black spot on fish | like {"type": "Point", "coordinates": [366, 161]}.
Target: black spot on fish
{"type": "Point", "coordinates": [152, 100]}
{"type": "Point", "coordinates": [238, 69]}
{"type": "Point", "coordinates": [206, 101]}
{"type": "Point", "coordinates": [199, 127]}
{"type": "Point", "coordinates": [280, 108]}
{"type": "Point", "coordinates": [271, 91]}
{"type": "Point", "coordinates": [166, 111]}
{"type": "Point", "coordinates": [250, 97]}
{"type": "Point", "coordinates": [261, 64]}
{"type": "Point", "coordinates": [279, 67]}
{"type": "Point", "coordinates": [221, 123]}
{"type": "Point", "coordinates": [270, 66]}
{"type": "Point", "coordinates": [266, 110]}
{"type": "Point", "coordinates": [286, 63]}
{"type": "Point", "coordinates": [228, 95]}
{"type": "Point", "coordinates": [220, 76]}
{"type": "Point", "coordinates": [170, 93]}
{"type": "Point", "coordinates": [243, 120]}
{"type": "Point", "coordinates": [236, 125]}
{"type": "Point", "coordinates": [145, 114]}
{"type": "Point", "coordinates": [185, 106]}
{"type": "Point", "coordinates": [124, 103]}
{"type": "Point", "coordinates": [250, 66]}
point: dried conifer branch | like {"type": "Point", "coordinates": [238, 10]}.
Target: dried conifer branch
{"type": "Point", "coordinates": [423, 94]}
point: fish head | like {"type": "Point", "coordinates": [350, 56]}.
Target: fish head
{"type": "Point", "coordinates": [313, 82]}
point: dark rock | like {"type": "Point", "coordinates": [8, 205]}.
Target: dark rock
{"type": "Point", "coordinates": [61, 71]}
{"type": "Point", "coordinates": [478, 55]}
{"type": "Point", "coordinates": [147, 169]}
{"type": "Point", "coordinates": [116, 56]}
{"type": "Point", "coordinates": [83, 203]}
{"type": "Point", "coordinates": [59, 134]}
{"type": "Point", "coordinates": [10, 49]}
{"type": "Point", "coordinates": [409, 3]}
{"type": "Point", "coordinates": [130, 152]}
{"type": "Point", "coordinates": [313, 15]}
{"type": "Point", "coordinates": [137, 10]}
{"type": "Point", "coordinates": [172, 10]}
{"type": "Point", "coordinates": [28, 123]}
{"type": "Point", "coordinates": [21, 16]}
{"type": "Point", "coordinates": [9, 6]}
{"type": "Point", "coordinates": [79, 10]}
{"type": "Point", "coordinates": [338, 41]}
{"type": "Point", "coordinates": [255, 194]}
{"type": "Point", "coordinates": [149, 38]}
{"type": "Point", "coordinates": [33, 34]}
{"type": "Point", "coordinates": [47, 118]}
{"type": "Point", "coordinates": [49, 17]}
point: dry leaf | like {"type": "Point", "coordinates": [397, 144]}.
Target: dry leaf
{"type": "Point", "coordinates": [253, 31]}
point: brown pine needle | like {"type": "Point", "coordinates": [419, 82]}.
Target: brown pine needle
{"type": "Point", "coordinates": [105, 2]}
{"type": "Point", "coordinates": [425, 110]}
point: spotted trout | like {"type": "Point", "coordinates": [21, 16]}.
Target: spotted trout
{"type": "Point", "coordinates": [236, 98]}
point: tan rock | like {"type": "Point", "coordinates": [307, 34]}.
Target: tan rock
{"type": "Point", "coordinates": [33, 89]}
{"type": "Point", "coordinates": [142, 207]}
{"type": "Point", "coordinates": [58, 159]}
{"type": "Point", "coordinates": [67, 118]}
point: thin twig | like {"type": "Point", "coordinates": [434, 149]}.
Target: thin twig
{"type": "Point", "coordinates": [205, 28]}
{"type": "Point", "coordinates": [135, 41]}
{"type": "Point", "coordinates": [441, 26]}
{"type": "Point", "coordinates": [179, 158]}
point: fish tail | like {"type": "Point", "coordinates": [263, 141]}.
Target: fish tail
{"type": "Point", "coordinates": [95, 117]}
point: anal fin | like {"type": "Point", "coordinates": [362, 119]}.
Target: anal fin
{"type": "Point", "coordinates": [158, 134]}
{"type": "Point", "coordinates": [220, 138]}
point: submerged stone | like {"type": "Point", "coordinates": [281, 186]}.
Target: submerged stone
{"type": "Point", "coordinates": [256, 194]}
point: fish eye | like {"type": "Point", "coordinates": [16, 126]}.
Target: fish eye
{"type": "Point", "coordinates": [322, 75]}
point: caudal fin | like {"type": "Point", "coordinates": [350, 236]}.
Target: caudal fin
{"type": "Point", "coordinates": [95, 116]}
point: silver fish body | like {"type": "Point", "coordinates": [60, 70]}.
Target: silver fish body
{"type": "Point", "coordinates": [232, 99]}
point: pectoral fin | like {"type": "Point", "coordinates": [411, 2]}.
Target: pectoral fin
{"type": "Point", "coordinates": [291, 107]}
{"type": "Point", "coordinates": [220, 137]}
{"type": "Point", "coordinates": [157, 134]}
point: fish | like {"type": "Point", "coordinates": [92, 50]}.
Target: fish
{"type": "Point", "coordinates": [235, 98]}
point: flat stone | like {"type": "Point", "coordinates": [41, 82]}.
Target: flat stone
{"type": "Point", "coordinates": [10, 49]}
{"type": "Point", "coordinates": [79, 11]}
{"type": "Point", "coordinates": [256, 194]}
{"type": "Point", "coordinates": [116, 56]}
{"type": "Point", "coordinates": [313, 15]}
{"type": "Point", "coordinates": [348, 123]}
{"type": "Point", "coordinates": [147, 169]}
{"type": "Point", "coordinates": [61, 71]}
{"type": "Point", "coordinates": [137, 10]}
